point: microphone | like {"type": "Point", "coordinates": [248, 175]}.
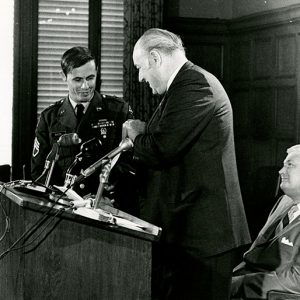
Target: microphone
{"type": "Point", "coordinates": [89, 148]}
{"type": "Point", "coordinates": [47, 161]}
{"type": "Point", "coordinates": [64, 140]}
{"type": "Point", "coordinates": [125, 145]}
{"type": "Point", "coordinates": [68, 139]}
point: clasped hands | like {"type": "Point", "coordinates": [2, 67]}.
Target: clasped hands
{"type": "Point", "coordinates": [132, 128]}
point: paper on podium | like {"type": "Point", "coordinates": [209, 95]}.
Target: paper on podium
{"type": "Point", "coordinates": [99, 214]}
{"type": "Point", "coordinates": [110, 214]}
{"type": "Point", "coordinates": [71, 194]}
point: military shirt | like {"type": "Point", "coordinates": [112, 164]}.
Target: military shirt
{"type": "Point", "coordinates": [102, 120]}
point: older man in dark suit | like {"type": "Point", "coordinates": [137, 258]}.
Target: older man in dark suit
{"type": "Point", "coordinates": [273, 261]}
{"type": "Point", "coordinates": [191, 183]}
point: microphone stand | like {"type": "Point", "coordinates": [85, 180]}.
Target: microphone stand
{"type": "Point", "coordinates": [103, 177]}
{"type": "Point", "coordinates": [49, 175]}
{"type": "Point", "coordinates": [124, 146]}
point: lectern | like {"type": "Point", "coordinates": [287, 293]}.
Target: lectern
{"type": "Point", "coordinates": [69, 256]}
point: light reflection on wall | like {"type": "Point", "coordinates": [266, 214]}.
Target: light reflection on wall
{"type": "Point", "coordinates": [6, 80]}
{"type": "Point", "coordinates": [247, 7]}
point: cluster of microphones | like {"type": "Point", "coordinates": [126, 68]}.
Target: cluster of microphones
{"type": "Point", "coordinates": [87, 149]}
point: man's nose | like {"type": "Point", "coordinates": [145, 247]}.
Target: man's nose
{"type": "Point", "coordinates": [85, 84]}
{"type": "Point", "coordinates": [282, 170]}
{"type": "Point", "coordinates": [141, 79]}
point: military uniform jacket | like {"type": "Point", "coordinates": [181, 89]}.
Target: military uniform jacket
{"type": "Point", "coordinates": [103, 119]}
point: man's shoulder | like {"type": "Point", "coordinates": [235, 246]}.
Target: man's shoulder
{"type": "Point", "coordinates": [115, 103]}
{"type": "Point", "coordinates": [113, 99]}
{"type": "Point", "coordinates": [53, 107]}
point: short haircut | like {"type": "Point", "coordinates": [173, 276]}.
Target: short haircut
{"type": "Point", "coordinates": [74, 58]}
{"type": "Point", "coordinates": [160, 39]}
{"type": "Point", "coordinates": [295, 148]}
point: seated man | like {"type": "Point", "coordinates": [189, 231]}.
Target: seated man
{"type": "Point", "coordinates": [273, 260]}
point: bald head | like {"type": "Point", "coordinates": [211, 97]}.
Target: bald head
{"type": "Point", "coordinates": [156, 55]}
{"type": "Point", "coordinates": [160, 39]}
{"type": "Point", "coordinates": [290, 174]}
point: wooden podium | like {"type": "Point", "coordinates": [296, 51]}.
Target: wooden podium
{"type": "Point", "coordinates": [69, 256]}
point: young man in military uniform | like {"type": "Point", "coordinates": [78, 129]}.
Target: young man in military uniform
{"type": "Point", "coordinates": [99, 116]}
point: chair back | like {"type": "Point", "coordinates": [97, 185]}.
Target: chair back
{"type": "Point", "coordinates": [275, 295]}
{"type": "Point", "coordinates": [5, 172]}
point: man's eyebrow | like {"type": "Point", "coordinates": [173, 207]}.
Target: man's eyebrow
{"type": "Point", "coordinates": [79, 77]}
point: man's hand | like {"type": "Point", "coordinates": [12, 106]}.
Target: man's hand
{"type": "Point", "coordinates": [132, 128]}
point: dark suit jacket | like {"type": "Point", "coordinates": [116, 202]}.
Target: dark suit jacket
{"type": "Point", "coordinates": [192, 188]}
{"type": "Point", "coordinates": [273, 261]}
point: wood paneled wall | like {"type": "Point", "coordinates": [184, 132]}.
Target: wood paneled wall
{"type": "Point", "coordinates": [259, 61]}
{"type": "Point", "coordinates": [264, 80]}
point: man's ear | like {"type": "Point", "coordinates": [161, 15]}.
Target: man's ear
{"type": "Point", "coordinates": [63, 76]}
{"type": "Point", "coordinates": [155, 57]}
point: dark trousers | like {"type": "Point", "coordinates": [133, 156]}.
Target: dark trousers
{"type": "Point", "coordinates": [179, 273]}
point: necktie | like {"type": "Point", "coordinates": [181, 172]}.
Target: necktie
{"type": "Point", "coordinates": [292, 212]}
{"type": "Point", "coordinates": [79, 112]}
{"type": "Point", "coordinates": [287, 218]}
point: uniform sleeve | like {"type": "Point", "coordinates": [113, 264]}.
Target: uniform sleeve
{"type": "Point", "coordinates": [41, 148]}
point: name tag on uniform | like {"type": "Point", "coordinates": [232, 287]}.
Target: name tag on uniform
{"type": "Point", "coordinates": [57, 134]}
{"type": "Point", "coordinates": [103, 124]}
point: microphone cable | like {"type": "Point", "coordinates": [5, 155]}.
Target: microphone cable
{"type": "Point", "coordinates": [12, 248]}
{"type": "Point", "coordinates": [7, 220]}
{"type": "Point", "coordinates": [27, 233]}
{"type": "Point", "coordinates": [54, 150]}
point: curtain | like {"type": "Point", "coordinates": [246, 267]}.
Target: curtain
{"type": "Point", "coordinates": [139, 16]}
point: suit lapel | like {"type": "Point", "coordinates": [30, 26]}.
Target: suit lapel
{"type": "Point", "coordinates": [157, 113]}
{"type": "Point", "coordinates": [267, 234]}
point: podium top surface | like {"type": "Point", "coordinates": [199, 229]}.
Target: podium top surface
{"type": "Point", "coordinates": [112, 220]}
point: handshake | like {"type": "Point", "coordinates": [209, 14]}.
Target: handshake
{"type": "Point", "coordinates": [132, 128]}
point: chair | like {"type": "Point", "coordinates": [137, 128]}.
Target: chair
{"type": "Point", "coordinates": [275, 295]}
{"type": "Point", "coordinates": [5, 173]}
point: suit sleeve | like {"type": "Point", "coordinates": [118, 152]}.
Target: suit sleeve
{"type": "Point", "coordinates": [189, 108]}
{"type": "Point", "coordinates": [41, 148]}
{"type": "Point", "coordinates": [287, 279]}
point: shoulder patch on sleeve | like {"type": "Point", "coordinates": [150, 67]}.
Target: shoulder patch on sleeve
{"type": "Point", "coordinates": [36, 147]}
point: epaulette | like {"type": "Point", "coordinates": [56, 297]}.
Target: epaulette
{"type": "Point", "coordinates": [114, 98]}
{"type": "Point", "coordinates": [57, 103]}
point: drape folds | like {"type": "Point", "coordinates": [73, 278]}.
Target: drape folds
{"type": "Point", "coordinates": [139, 15]}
